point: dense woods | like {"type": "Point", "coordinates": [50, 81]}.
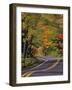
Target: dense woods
{"type": "Point", "coordinates": [42, 35]}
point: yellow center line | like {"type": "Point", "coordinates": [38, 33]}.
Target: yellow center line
{"type": "Point", "coordinates": [27, 74]}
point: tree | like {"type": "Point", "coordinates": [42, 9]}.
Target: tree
{"type": "Point", "coordinates": [58, 42]}
{"type": "Point", "coordinates": [45, 42]}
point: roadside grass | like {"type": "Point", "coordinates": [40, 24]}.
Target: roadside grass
{"type": "Point", "coordinates": [29, 62]}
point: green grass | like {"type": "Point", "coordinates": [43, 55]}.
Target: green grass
{"type": "Point", "coordinates": [29, 62]}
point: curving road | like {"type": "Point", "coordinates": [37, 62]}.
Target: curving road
{"type": "Point", "coordinates": [50, 66]}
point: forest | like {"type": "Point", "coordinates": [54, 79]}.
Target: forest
{"type": "Point", "coordinates": [42, 35]}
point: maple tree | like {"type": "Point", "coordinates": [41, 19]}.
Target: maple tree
{"type": "Point", "coordinates": [60, 42]}
{"type": "Point", "coordinates": [45, 41]}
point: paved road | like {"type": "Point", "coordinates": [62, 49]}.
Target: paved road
{"type": "Point", "coordinates": [50, 66]}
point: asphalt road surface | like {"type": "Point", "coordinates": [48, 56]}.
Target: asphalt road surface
{"type": "Point", "coordinates": [49, 67]}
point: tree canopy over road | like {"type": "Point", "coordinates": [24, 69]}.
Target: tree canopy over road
{"type": "Point", "coordinates": [43, 31]}
{"type": "Point", "coordinates": [42, 34]}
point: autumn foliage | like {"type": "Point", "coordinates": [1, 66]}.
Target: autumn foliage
{"type": "Point", "coordinates": [38, 32]}
{"type": "Point", "coordinates": [59, 43]}
{"type": "Point", "coordinates": [60, 36]}
{"type": "Point", "coordinates": [45, 39]}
